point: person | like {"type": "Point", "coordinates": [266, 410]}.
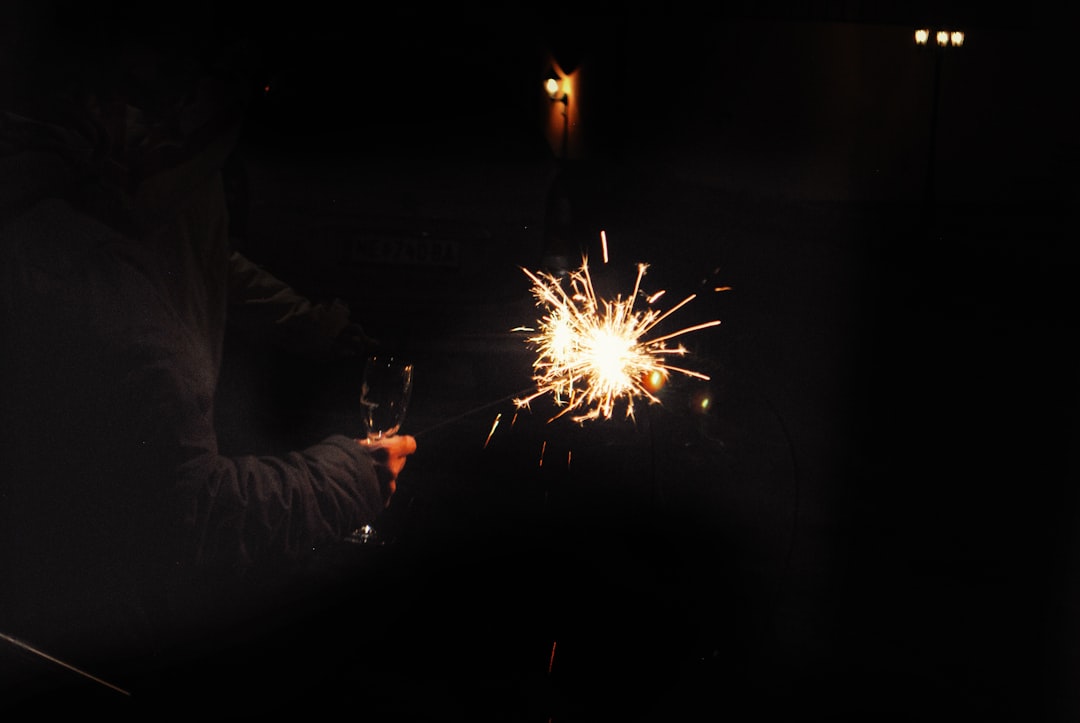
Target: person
{"type": "Point", "coordinates": [128, 537]}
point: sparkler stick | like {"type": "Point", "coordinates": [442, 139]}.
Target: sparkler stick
{"type": "Point", "coordinates": [463, 415]}
{"type": "Point", "coordinates": [56, 661]}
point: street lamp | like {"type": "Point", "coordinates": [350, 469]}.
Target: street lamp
{"type": "Point", "coordinates": [560, 227]}
{"type": "Point", "coordinates": [554, 87]}
{"type": "Point", "coordinates": [943, 38]}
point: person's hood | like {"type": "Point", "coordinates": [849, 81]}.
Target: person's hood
{"type": "Point", "coordinates": [114, 161]}
{"type": "Point", "coordinates": [38, 160]}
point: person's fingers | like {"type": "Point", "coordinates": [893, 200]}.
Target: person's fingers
{"type": "Point", "coordinates": [390, 455]}
{"type": "Point", "coordinates": [406, 444]}
{"type": "Point", "coordinates": [377, 448]}
{"type": "Point", "coordinates": [396, 443]}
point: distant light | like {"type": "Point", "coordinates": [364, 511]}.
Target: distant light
{"type": "Point", "coordinates": [943, 38]}
{"type": "Point", "coordinates": [701, 402]}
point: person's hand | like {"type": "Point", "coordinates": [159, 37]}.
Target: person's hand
{"type": "Point", "coordinates": [353, 341]}
{"type": "Point", "coordinates": [390, 454]}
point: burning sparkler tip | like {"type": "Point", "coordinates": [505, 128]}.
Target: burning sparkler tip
{"type": "Point", "coordinates": [594, 352]}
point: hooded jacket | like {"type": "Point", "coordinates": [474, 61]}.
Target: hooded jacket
{"type": "Point", "coordinates": [122, 525]}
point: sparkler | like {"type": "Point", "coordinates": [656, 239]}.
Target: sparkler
{"type": "Point", "coordinates": [593, 352]}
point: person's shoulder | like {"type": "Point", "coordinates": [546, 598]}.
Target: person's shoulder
{"type": "Point", "coordinates": [53, 235]}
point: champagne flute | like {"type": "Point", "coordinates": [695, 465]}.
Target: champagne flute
{"type": "Point", "coordinates": [384, 397]}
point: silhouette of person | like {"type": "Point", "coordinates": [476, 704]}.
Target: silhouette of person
{"type": "Point", "coordinates": [125, 532]}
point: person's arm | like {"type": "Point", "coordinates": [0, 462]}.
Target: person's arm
{"type": "Point", "coordinates": [235, 511]}
{"type": "Point", "coordinates": [266, 309]}
{"type": "Point", "coordinates": [118, 502]}
{"type": "Point", "coordinates": [222, 510]}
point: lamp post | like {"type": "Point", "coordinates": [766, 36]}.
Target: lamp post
{"type": "Point", "coordinates": [942, 39]}
{"type": "Point", "coordinates": [560, 211]}
{"type": "Point", "coordinates": [554, 87]}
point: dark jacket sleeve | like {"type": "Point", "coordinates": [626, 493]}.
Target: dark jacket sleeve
{"type": "Point", "coordinates": [265, 309]}
{"type": "Point", "coordinates": [132, 390]}
{"type": "Point", "coordinates": [121, 521]}
{"type": "Point", "coordinates": [233, 510]}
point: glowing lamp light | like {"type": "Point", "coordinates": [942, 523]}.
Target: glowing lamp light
{"type": "Point", "coordinates": [553, 87]}
{"type": "Point", "coordinates": [943, 38]}
{"type": "Point", "coordinates": [557, 89]}
{"type": "Point", "coordinates": [701, 403]}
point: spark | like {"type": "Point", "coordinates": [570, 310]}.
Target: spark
{"type": "Point", "coordinates": [494, 424]}
{"type": "Point", "coordinates": [603, 244]}
{"type": "Point", "coordinates": [593, 352]}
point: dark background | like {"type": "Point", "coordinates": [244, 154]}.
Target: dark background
{"type": "Point", "coordinates": [905, 365]}
{"type": "Point", "coordinates": [897, 377]}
